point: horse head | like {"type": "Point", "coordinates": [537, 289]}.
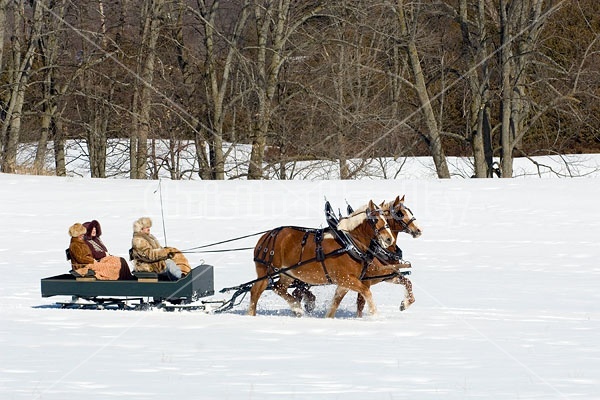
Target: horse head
{"type": "Point", "coordinates": [401, 218]}
{"type": "Point", "coordinates": [367, 224]}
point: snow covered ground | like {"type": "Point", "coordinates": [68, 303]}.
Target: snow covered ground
{"type": "Point", "coordinates": [506, 279]}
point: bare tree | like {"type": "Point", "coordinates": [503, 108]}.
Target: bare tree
{"type": "Point", "coordinates": [472, 18]}
{"type": "Point", "coordinates": [219, 64]}
{"type": "Point", "coordinates": [275, 21]}
{"type": "Point", "coordinates": [23, 48]}
{"type": "Point", "coordinates": [3, 10]}
{"type": "Point", "coordinates": [520, 24]}
{"type": "Point", "coordinates": [407, 22]}
{"type": "Point", "coordinates": [152, 13]}
{"type": "Point", "coordinates": [48, 46]}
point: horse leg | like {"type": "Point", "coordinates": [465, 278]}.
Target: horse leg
{"type": "Point", "coordinates": [410, 297]}
{"type": "Point", "coordinates": [353, 283]}
{"type": "Point", "coordinates": [257, 289]}
{"type": "Point", "coordinates": [303, 293]}
{"type": "Point", "coordinates": [360, 305]}
{"type": "Point", "coordinates": [281, 288]}
{"type": "Point", "coordinates": [340, 292]}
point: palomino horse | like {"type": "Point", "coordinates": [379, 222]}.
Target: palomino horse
{"type": "Point", "coordinates": [401, 219]}
{"type": "Point", "coordinates": [316, 258]}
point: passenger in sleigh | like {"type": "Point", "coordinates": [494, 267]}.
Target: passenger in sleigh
{"type": "Point", "coordinates": [82, 260]}
{"type": "Point", "coordinates": [99, 250]}
{"type": "Point", "coordinates": [149, 256]}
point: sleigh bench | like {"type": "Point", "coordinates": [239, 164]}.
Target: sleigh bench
{"type": "Point", "coordinates": [146, 276]}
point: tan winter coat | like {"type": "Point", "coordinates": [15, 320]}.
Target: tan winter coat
{"type": "Point", "coordinates": [148, 254]}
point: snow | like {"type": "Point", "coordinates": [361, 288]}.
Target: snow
{"type": "Point", "coordinates": [505, 276]}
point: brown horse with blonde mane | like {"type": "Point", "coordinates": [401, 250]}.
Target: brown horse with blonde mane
{"type": "Point", "coordinates": [315, 257]}
{"type": "Point", "coordinates": [400, 219]}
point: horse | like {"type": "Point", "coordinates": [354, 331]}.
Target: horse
{"type": "Point", "coordinates": [401, 220]}
{"type": "Point", "coordinates": [315, 257]}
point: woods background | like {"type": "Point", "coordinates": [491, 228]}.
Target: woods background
{"type": "Point", "coordinates": [298, 80]}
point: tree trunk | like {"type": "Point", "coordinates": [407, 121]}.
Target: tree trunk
{"type": "Point", "coordinates": [274, 28]}
{"type": "Point", "coordinates": [520, 25]}
{"type": "Point", "coordinates": [11, 125]}
{"type": "Point", "coordinates": [151, 29]}
{"type": "Point", "coordinates": [48, 50]}
{"type": "Point", "coordinates": [263, 15]}
{"type": "Point", "coordinates": [3, 9]}
{"type": "Point", "coordinates": [433, 135]}
{"type": "Point", "coordinates": [474, 36]}
{"type": "Point", "coordinates": [59, 148]}
{"type": "Point", "coordinates": [219, 71]}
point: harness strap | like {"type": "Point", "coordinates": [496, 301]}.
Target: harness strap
{"type": "Point", "coordinates": [319, 253]}
{"type": "Point", "coordinates": [384, 255]}
{"type": "Point", "coordinates": [284, 270]}
{"type": "Point", "coordinates": [387, 276]}
{"type": "Point", "coordinates": [262, 254]}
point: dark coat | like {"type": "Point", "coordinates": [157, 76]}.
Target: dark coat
{"type": "Point", "coordinates": [96, 245]}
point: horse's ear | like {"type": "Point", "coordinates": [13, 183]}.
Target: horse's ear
{"type": "Point", "coordinates": [382, 204]}
{"type": "Point", "coordinates": [402, 199]}
{"type": "Point", "coordinates": [371, 206]}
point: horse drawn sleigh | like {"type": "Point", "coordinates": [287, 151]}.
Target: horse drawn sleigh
{"type": "Point", "coordinates": [353, 253]}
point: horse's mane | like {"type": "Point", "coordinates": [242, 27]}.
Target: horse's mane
{"type": "Point", "coordinates": [359, 210]}
{"type": "Point", "coordinates": [353, 221]}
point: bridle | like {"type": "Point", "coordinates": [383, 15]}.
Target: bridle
{"type": "Point", "coordinates": [372, 216]}
{"type": "Point", "coordinates": [400, 218]}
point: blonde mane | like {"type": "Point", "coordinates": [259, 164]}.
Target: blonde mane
{"type": "Point", "coordinates": [354, 220]}
{"type": "Point", "coordinates": [359, 210]}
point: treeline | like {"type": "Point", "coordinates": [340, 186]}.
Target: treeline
{"type": "Point", "coordinates": [296, 80]}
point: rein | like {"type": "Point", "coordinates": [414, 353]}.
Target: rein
{"type": "Point", "coordinates": [195, 249]}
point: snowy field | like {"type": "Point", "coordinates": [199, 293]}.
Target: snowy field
{"type": "Point", "coordinates": [506, 279]}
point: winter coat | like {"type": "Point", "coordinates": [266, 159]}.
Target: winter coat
{"type": "Point", "coordinates": [81, 254]}
{"type": "Point", "coordinates": [148, 254]}
{"type": "Point", "coordinates": [82, 259]}
{"type": "Point", "coordinates": [96, 245]}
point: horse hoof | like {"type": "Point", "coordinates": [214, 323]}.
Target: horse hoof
{"type": "Point", "coordinates": [404, 305]}
{"type": "Point", "coordinates": [309, 306]}
{"type": "Point", "coordinates": [298, 312]}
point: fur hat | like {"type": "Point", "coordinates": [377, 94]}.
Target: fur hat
{"type": "Point", "coordinates": [77, 230]}
{"type": "Point", "coordinates": [142, 223]}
